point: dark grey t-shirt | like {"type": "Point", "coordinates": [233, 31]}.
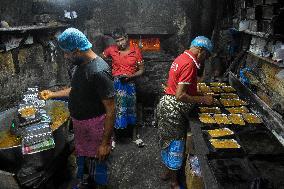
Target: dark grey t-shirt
{"type": "Point", "coordinates": [91, 83]}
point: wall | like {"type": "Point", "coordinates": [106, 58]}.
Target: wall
{"type": "Point", "coordinates": [177, 22]}
{"type": "Point", "coordinates": [27, 66]}
{"type": "Point", "coordinates": [181, 18]}
{"type": "Point", "coordinates": [138, 17]}
{"type": "Point", "coordinates": [156, 74]}
{"type": "Point", "coordinates": [16, 12]}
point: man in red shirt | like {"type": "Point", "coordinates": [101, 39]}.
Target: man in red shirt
{"type": "Point", "coordinates": [173, 108]}
{"type": "Point", "coordinates": [127, 64]}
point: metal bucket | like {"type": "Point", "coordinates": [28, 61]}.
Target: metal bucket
{"type": "Point", "coordinates": [27, 167]}
{"type": "Point", "coordinates": [10, 157]}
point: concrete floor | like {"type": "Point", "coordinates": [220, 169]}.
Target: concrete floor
{"type": "Point", "coordinates": [131, 167]}
{"type": "Point", "coordinates": [138, 168]}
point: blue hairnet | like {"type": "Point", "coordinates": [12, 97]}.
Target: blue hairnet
{"type": "Point", "coordinates": [203, 42]}
{"type": "Point", "coordinates": [72, 39]}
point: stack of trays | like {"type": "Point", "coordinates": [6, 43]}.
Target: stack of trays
{"type": "Point", "coordinates": [33, 124]}
{"type": "Point", "coordinates": [36, 138]}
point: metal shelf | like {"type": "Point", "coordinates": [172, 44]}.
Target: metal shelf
{"type": "Point", "coordinates": [269, 60]}
{"type": "Point", "coordinates": [263, 35]}
{"type": "Point", "coordinates": [257, 34]}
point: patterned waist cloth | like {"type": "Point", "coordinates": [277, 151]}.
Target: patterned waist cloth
{"type": "Point", "coordinates": [172, 119]}
{"type": "Point", "coordinates": [125, 101]}
{"type": "Point", "coordinates": [88, 135]}
{"type": "Point", "coordinates": [172, 128]}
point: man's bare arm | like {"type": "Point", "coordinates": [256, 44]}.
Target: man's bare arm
{"type": "Point", "coordinates": [105, 147]}
{"type": "Point", "coordinates": [109, 121]}
{"type": "Point", "coordinates": [47, 94]}
{"type": "Point", "coordinates": [181, 95]}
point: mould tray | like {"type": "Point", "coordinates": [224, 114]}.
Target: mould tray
{"type": "Point", "coordinates": [224, 152]}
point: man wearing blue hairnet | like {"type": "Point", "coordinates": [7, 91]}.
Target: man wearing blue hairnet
{"type": "Point", "coordinates": [173, 108]}
{"type": "Point", "coordinates": [91, 104]}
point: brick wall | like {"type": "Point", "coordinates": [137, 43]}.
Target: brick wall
{"type": "Point", "coordinates": [156, 74]}
{"type": "Point", "coordinates": [149, 87]}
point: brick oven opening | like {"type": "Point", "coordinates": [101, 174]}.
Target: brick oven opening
{"type": "Point", "coordinates": [146, 43]}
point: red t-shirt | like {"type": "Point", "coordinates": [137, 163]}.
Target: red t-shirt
{"type": "Point", "coordinates": [183, 71]}
{"type": "Point", "coordinates": [124, 63]}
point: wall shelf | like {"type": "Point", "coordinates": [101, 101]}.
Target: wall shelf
{"type": "Point", "coordinates": [257, 34]}
{"type": "Point", "coordinates": [263, 35]}
{"type": "Point", "coordinates": [269, 60]}
{"type": "Point", "coordinates": [24, 29]}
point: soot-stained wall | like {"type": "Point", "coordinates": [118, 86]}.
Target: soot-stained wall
{"type": "Point", "coordinates": [184, 19]}
{"type": "Point", "coordinates": [177, 22]}
{"type": "Point", "coordinates": [38, 64]}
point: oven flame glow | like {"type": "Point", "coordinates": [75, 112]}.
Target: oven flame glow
{"type": "Point", "coordinates": [147, 44]}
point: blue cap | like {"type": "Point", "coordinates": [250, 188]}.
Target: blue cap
{"type": "Point", "coordinates": [72, 39]}
{"type": "Point", "coordinates": [203, 42]}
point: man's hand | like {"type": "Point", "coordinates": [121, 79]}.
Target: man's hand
{"type": "Point", "coordinates": [46, 94]}
{"type": "Point", "coordinates": [207, 100]}
{"type": "Point", "coordinates": [103, 151]}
